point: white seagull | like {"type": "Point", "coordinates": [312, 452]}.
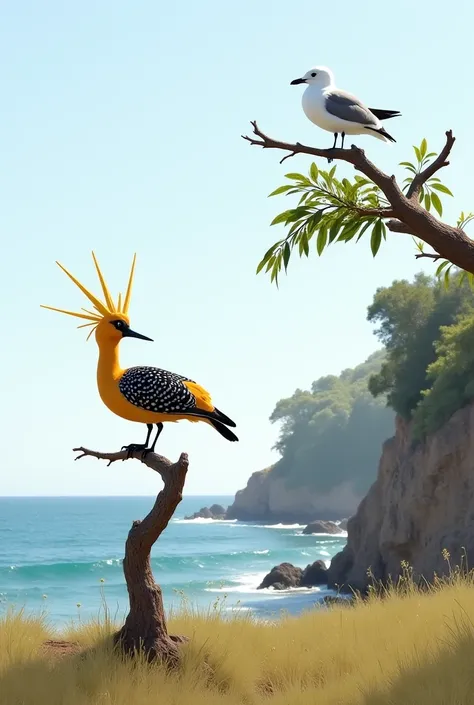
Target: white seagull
{"type": "Point", "coordinates": [338, 111]}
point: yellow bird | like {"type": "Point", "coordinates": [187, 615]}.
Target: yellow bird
{"type": "Point", "coordinates": [146, 395]}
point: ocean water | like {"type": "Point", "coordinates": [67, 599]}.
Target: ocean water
{"type": "Point", "coordinates": [56, 551]}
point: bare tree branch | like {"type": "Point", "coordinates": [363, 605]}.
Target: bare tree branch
{"type": "Point", "coordinates": [432, 168]}
{"type": "Point", "coordinates": [156, 462]}
{"type": "Point", "coordinates": [354, 156]}
{"type": "Point", "coordinates": [145, 628]}
{"type": "Point", "coordinates": [429, 255]}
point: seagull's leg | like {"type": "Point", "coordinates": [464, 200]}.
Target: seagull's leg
{"type": "Point", "coordinates": [333, 147]}
{"type": "Point", "coordinates": [343, 134]}
{"type": "Point", "coordinates": [139, 446]}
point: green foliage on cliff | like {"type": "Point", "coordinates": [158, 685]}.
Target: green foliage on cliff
{"type": "Point", "coordinates": [451, 377]}
{"type": "Point", "coordinates": [333, 432]}
{"type": "Point", "coordinates": [427, 332]}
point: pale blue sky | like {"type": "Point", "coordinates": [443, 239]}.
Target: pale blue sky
{"type": "Point", "coordinates": [120, 131]}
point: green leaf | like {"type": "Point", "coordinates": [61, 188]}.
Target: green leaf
{"type": "Point", "coordinates": [281, 217]}
{"type": "Point", "coordinates": [303, 198]}
{"type": "Point", "coordinates": [418, 153]}
{"type": "Point", "coordinates": [376, 237]}
{"type": "Point", "coordinates": [349, 231]}
{"type": "Point", "coordinates": [303, 244]}
{"type": "Point", "coordinates": [335, 227]}
{"type": "Point", "coordinates": [431, 154]}
{"type": "Point", "coordinates": [384, 230]}
{"type": "Point", "coordinates": [423, 148]}
{"type": "Point", "coordinates": [267, 256]}
{"type": "Point", "coordinates": [421, 195]}
{"type": "Point", "coordinates": [286, 255]}
{"type": "Point", "coordinates": [322, 240]}
{"type": "Point", "coordinates": [313, 172]}
{"type": "Point", "coordinates": [441, 267]}
{"type": "Point", "coordinates": [446, 277]}
{"type": "Point", "coordinates": [332, 171]}
{"type": "Point", "coordinates": [270, 263]}
{"type": "Point", "coordinates": [296, 177]}
{"type": "Point", "coordinates": [427, 201]}
{"type": "Point", "coordinates": [280, 189]}
{"type": "Point", "coordinates": [442, 188]}
{"type": "Point", "coordinates": [367, 225]}
{"type": "Point", "coordinates": [435, 200]}
{"type": "Point", "coordinates": [313, 222]}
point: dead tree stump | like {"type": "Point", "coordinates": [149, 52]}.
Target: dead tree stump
{"type": "Point", "coordinates": [145, 628]}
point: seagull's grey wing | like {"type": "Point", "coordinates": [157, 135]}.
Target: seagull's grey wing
{"type": "Point", "coordinates": [347, 107]}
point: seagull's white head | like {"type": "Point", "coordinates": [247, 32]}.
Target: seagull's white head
{"type": "Point", "coordinates": [319, 76]}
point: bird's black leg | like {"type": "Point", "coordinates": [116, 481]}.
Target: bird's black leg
{"type": "Point", "coordinates": [343, 135]}
{"type": "Point", "coordinates": [333, 147]}
{"type": "Point", "coordinates": [159, 428]}
{"type": "Point", "coordinates": [139, 446]}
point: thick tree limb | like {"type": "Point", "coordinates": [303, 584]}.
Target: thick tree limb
{"type": "Point", "coordinates": [145, 627]}
{"type": "Point", "coordinates": [408, 216]}
{"type": "Point", "coordinates": [440, 162]}
{"type": "Point", "coordinates": [396, 226]}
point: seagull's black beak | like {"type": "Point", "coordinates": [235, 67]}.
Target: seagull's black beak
{"type": "Point", "coordinates": [297, 81]}
{"type": "Point", "coordinates": [128, 333]}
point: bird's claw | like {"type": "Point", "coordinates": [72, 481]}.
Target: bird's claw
{"type": "Point", "coordinates": [133, 447]}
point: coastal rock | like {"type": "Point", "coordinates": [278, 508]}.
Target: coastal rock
{"type": "Point", "coordinates": [281, 577]}
{"type": "Point", "coordinates": [314, 574]}
{"type": "Point", "coordinates": [322, 527]}
{"type": "Point", "coordinates": [343, 524]}
{"type": "Point", "coordinates": [268, 498]}
{"type": "Point", "coordinates": [286, 575]}
{"type": "Point", "coordinates": [215, 511]}
{"type": "Point", "coordinates": [421, 503]}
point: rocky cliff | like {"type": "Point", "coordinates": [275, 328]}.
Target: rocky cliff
{"type": "Point", "coordinates": [421, 503]}
{"type": "Point", "coordinates": [267, 498]}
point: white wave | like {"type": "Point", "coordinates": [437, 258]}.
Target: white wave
{"type": "Point", "coordinates": [262, 553]}
{"type": "Point", "coordinates": [283, 526]}
{"type": "Point", "coordinates": [201, 520]}
{"type": "Point", "coordinates": [247, 582]}
{"type": "Point", "coordinates": [340, 535]}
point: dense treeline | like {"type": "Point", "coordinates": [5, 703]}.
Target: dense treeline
{"type": "Point", "coordinates": [428, 333]}
{"type": "Point", "coordinates": [334, 431]}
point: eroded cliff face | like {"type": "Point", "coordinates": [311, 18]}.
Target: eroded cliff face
{"type": "Point", "coordinates": [267, 498]}
{"type": "Point", "coordinates": [421, 502]}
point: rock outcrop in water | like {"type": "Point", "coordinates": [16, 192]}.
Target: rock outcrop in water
{"type": "Point", "coordinates": [421, 503]}
{"type": "Point", "coordinates": [286, 575]}
{"type": "Point", "coordinates": [268, 498]}
{"type": "Point", "coordinates": [322, 527]}
{"type": "Point", "coordinates": [215, 511]}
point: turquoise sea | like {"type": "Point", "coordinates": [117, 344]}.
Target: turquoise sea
{"type": "Point", "coordinates": [54, 551]}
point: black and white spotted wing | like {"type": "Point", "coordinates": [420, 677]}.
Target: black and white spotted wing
{"type": "Point", "coordinates": [157, 390]}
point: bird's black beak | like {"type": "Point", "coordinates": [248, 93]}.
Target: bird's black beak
{"type": "Point", "coordinates": [297, 81]}
{"type": "Point", "coordinates": [128, 333]}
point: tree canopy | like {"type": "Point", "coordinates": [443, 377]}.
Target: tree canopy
{"type": "Point", "coordinates": [334, 431]}
{"type": "Point", "coordinates": [426, 330]}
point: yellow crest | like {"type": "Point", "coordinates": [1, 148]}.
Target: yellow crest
{"type": "Point", "coordinates": [102, 308]}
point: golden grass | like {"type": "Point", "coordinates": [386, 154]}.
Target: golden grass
{"type": "Point", "coordinates": [407, 648]}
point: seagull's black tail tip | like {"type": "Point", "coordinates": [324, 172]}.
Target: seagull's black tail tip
{"type": "Point", "coordinates": [387, 136]}
{"type": "Point", "coordinates": [223, 430]}
{"type": "Point", "coordinates": [382, 131]}
{"type": "Point", "coordinates": [385, 114]}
